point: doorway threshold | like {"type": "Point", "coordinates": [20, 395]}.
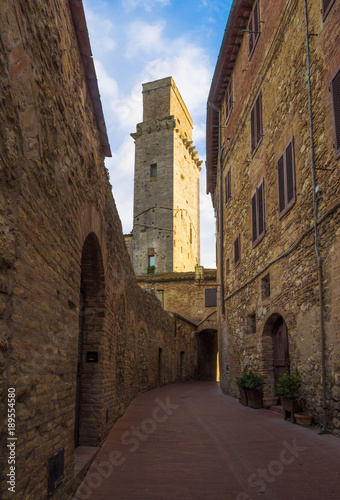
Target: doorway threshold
{"type": "Point", "coordinates": [83, 458]}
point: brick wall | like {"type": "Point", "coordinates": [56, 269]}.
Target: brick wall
{"type": "Point", "coordinates": [60, 233]}
{"type": "Point", "coordinates": [286, 252]}
{"type": "Point", "coordinates": [166, 205]}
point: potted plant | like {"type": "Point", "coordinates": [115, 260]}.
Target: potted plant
{"type": "Point", "coordinates": [250, 385]}
{"type": "Point", "coordinates": [287, 388]}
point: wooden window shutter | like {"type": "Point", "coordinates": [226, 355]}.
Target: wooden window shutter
{"type": "Point", "coordinates": [251, 35]}
{"type": "Point", "coordinates": [290, 172]}
{"type": "Point", "coordinates": [229, 184]}
{"type": "Point", "coordinates": [226, 188]}
{"type": "Point", "coordinates": [254, 217]}
{"type": "Point", "coordinates": [256, 123]}
{"type": "Point", "coordinates": [260, 198]}
{"type": "Point", "coordinates": [335, 89]}
{"type": "Point", "coordinates": [256, 23]}
{"type": "Point", "coordinates": [259, 118]}
{"type": "Point", "coordinates": [237, 249]}
{"type": "Point", "coordinates": [210, 297]}
{"type": "Point", "coordinates": [326, 7]}
{"type": "Point", "coordinates": [253, 143]}
{"type": "Point", "coordinates": [281, 183]}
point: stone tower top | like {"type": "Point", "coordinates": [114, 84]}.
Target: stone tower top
{"type": "Point", "coordinates": [166, 226]}
{"type": "Point", "coordinates": [162, 99]}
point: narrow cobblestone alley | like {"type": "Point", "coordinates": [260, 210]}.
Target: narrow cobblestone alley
{"type": "Point", "coordinates": [190, 441]}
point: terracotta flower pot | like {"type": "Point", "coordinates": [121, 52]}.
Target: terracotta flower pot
{"type": "Point", "coordinates": [270, 401]}
{"type": "Point", "coordinates": [303, 419]}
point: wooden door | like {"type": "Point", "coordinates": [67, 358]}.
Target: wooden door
{"type": "Point", "coordinates": [281, 351]}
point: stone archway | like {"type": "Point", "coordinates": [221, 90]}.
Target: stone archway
{"type": "Point", "coordinates": [275, 351]}
{"type": "Point", "coordinates": [207, 355]}
{"type": "Point", "coordinates": [88, 414]}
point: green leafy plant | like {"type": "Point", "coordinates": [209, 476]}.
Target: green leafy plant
{"type": "Point", "coordinates": [288, 385]}
{"type": "Point", "coordinates": [151, 270]}
{"type": "Point", "coordinates": [250, 380]}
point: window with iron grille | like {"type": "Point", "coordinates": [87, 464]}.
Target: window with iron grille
{"type": "Point", "coordinates": [326, 7]}
{"type": "Point", "coordinates": [256, 124]}
{"type": "Point", "coordinates": [210, 297]}
{"type": "Point", "coordinates": [286, 179]}
{"type": "Point", "coordinates": [254, 28]}
{"type": "Point", "coordinates": [237, 250]}
{"type": "Point", "coordinates": [229, 100]}
{"type": "Point", "coordinates": [335, 94]}
{"type": "Point", "coordinates": [257, 214]}
{"type": "Point", "coordinates": [228, 186]}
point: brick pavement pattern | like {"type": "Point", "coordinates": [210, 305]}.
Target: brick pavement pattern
{"type": "Point", "coordinates": [191, 441]}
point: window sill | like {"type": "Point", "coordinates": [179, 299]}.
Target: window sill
{"type": "Point", "coordinates": [259, 239]}
{"type": "Point", "coordinates": [253, 49]}
{"type": "Point", "coordinates": [324, 15]}
{"type": "Point", "coordinates": [253, 153]}
{"type": "Point", "coordinates": [287, 209]}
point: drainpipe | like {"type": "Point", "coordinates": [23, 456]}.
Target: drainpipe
{"type": "Point", "coordinates": [219, 167]}
{"type": "Point", "coordinates": [316, 237]}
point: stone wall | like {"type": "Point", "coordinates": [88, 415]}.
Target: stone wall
{"type": "Point", "coordinates": [286, 253]}
{"type": "Point", "coordinates": [184, 295]}
{"type": "Point", "coordinates": [166, 205]}
{"type": "Point", "coordinates": [61, 239]}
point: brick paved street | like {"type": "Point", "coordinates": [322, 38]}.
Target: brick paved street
{"type": "Point", "coordinates": [190, 441]}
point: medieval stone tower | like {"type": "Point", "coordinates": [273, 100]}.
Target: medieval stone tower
{"type": "Point", "coordinates": [166, 227]}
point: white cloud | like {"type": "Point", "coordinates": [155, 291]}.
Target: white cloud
{"type": "Point", "coordinates": [145, 38]}
{"type": "Point", "coordinates": [123, 159]}
{"type": "Point", "coordinates": [121, 110]}
{"type": "Point", "coordinates": [148, 5]}
{"type": "Point", "coordinates": [198, 133]}
{"type": "Point", "coordinates": [100, 31]}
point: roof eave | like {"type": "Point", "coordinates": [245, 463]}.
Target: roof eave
{"type": "Point", "coordinates": [232, 39]}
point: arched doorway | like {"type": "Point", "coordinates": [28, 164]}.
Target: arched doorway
{"type": "Point", "coordinates": [88, 414]}
{"type": "Point", "coordinates": [275, 350]}
{"type": "Point", "coordinates": [207, 355]}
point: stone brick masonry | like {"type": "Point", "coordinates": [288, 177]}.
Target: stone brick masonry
{"type": "Point", "coordinates": [286, 252]}
{"type": "Point", "coordinates": [61, 239]}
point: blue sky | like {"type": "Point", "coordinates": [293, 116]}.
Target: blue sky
{"type": "Point", "coordinates": [137, 41]}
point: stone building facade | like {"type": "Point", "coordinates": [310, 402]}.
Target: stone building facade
{"type": "Point", "coordinates": [78, 337]}
{"type": "Point", "coordinates": [273, 142]}
{"type": "Point", "coordinates": [192, 298]}
{"type": "Point", "coordinates": [166, 222]}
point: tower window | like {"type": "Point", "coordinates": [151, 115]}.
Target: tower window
{"type": "Point", "coordinates": [153, 170]}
